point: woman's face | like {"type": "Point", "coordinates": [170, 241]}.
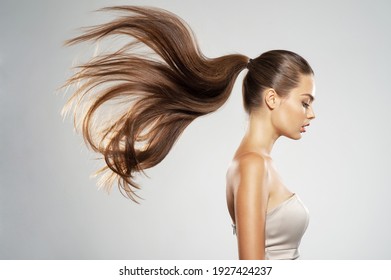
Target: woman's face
{"type": "Point", "coordinates": [295, 111]}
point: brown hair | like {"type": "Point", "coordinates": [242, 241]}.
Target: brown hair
{"type": "Point", "coordinates": [277, 69]}
{"type": "Point", "coordinates": [154, 97]}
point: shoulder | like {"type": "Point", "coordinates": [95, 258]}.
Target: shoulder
{"type": "Point", "coordinates": [250, 170]}
{"type": "Point", "coordinates": [251, 164]}
{"type": "Point", "coordinates": [250, 201]}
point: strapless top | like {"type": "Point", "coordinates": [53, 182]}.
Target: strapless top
{"type": "Point", "coordinates": [285, 226]}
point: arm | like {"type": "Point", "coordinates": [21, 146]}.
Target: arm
{"type": "Point", "coordinates": [251, 198]}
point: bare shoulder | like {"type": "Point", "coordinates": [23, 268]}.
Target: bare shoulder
{"type": "Point", "coordinates": [250, 164]}
{"type": "Point", "coordinates": [250, 161]}
{"type": "Point", "coordinates": [250, 198]}
{"type": "Point", "coordinates": [248, 170]}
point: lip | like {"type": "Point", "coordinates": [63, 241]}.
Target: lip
{"type": "Point", "coordinates": [302, 129]}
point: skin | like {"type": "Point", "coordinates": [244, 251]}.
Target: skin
{"type": "Point", "coordinates": [253, 185]}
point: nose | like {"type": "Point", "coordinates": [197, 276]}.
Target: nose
{"type": "Point", "coordinates": [310, 113]}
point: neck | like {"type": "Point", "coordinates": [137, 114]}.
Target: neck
{"type": "Point", "coordinates": [260, 135]}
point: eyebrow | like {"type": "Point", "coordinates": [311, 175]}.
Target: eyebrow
{"type": "Point", "coordinates": [310, 96]}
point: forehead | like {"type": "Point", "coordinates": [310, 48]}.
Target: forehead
{"type": "Point", "coordinates": [306, 87]}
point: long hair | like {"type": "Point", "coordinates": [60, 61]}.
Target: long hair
{"type": "Point", "coordinates": [132, 107]}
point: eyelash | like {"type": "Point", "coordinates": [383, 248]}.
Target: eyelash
{"type": "Point", "coordinates": [306, 105]}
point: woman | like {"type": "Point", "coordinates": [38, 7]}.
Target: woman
{"type": "Point", "coordinates": [133, 103]}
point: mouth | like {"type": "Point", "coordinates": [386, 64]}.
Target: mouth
{"type": "Point", "coordinates": [302, 129]}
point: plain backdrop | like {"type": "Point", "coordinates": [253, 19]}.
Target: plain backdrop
{"type": "Point", "coordinates": [50, 208]}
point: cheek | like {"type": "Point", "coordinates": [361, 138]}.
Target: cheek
{"type": "Point", "coordinates": [292, 112]}
{"type": "Point", "coordinates": [296, 112]}
{"type": "Point", "coordinates": [289, 117]}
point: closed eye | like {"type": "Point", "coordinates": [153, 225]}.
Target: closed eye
{"type": "Point", "coordinates": [306, 105]}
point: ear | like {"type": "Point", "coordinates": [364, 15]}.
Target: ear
{"type": "Point", "coordinates": [271, 98]}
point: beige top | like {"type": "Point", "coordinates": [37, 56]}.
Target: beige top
{"type": "Point", "coordinates": [285, 226]}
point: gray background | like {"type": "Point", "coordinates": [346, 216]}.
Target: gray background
{"type": "Point", "coordinates": [50, 207]}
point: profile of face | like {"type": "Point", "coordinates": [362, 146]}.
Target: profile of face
{"type": "Point", "coordinates": [292, 113]}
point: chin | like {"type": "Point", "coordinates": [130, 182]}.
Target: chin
{"type": "Point", "coordinates": [294, 136]}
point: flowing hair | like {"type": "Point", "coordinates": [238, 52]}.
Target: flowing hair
{"type": "Point", "coordinates": [131, 106]}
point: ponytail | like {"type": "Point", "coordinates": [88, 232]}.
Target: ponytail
{"type": "Point", "coordinates": [152, 98]}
